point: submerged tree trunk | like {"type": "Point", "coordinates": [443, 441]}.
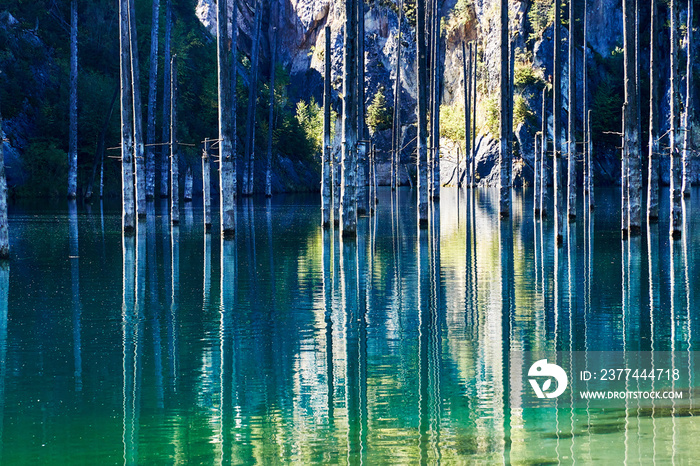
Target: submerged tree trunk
{"type": "Point", "coordinates": [4, 233]}
{"type": "Point", "coordinates": [435, 111]}
{"type": "Point", "coordinates": [348, 199]}
{"type": "Point", "coordinates": [505, 113]}
{"type": "Point", "coordinates": [73, 112]}
{"type": "Point", "coordinates": [99, 152]}
{"type": "Point", "coordinates": [422, 107]}
{"type": "Point", "coordinates": [127, 146]}
{"type": "Point", "coordinates": [589, 139]}
{"type": "Point", "coordinates": [174, 158]}
{"type": "Point", "coordinates": [536, 178]}
{"type": "Point", "coordinates": [689, 115]}
{"type": "Point", "coordinates": [271, 108]}
{"type": "Point", "coordinates": [227, 193]}
{"type": "Point", "coordinates": [165, 135]}
{"type": "Point", "coordinates": [472, 156]}
{"type": "Point", "coordinates": [675, 133]}
{"type": "Point", "coordinates": [362, 135]}
{"type": "Point", "coordinates": [466, 65]}
{"type": "Point", "coordinates": [544, 167]}
{"type": "Point", "coordinates": [249, 162]}
{"type": "Point", "coordinates": [139, 164]}
{"type": "Point", "coordinates": [632, 150]}
{"type": "Point", "coordinates": [556, 138]}
{"type": "Point", "coordinates": [571, 138]}
{"type": "Point", "coordinates": [396, 120]}
{"type": "Point", "coordinates": [151, 115]}
{"type": "Point", "coordinates": [326, 177]}
{"type": "Point", "coordinates": [206, 186]}
{"type": "Point", "coordinates": [654, 154]}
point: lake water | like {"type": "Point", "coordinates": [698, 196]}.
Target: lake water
{"type": "Point", "coordinates": [288, 345]}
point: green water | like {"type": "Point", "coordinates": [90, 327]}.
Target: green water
{"type": "Point", "coordinates": [289, 345]}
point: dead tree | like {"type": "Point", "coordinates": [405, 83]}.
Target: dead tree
{"type": "Point", "coordinates": [435, 81]}
{"type": "Point", "coordinates": [165, 135]}
{"type": "Point", "coordinates": [571, 137]}
{"type": "Point", "coordinates": [249, 161]}
{"type": "Point", "coordinates": [472, 156]}
{"type": "Point", "coordinates": [396, 120]}
{"type": "Point", "coordinates": [73, 111]}
{"type": "Point", "coordinates": [362, 132]}
{"type": "Point", "coordinates": [139, 164]}
{"type": "Point", "coordinates": [151, 115]}
{"type": "Point", "coordinates": [675, 133]}
{"type": "Point", "coordinates": [326, 177]}
{"type": "Point", "coordinates": [99, 151]}
{"type": "Point", "coordinates": [505, 113]}
{"type": "Point", "coordinates": [653, 178]}
{"type": "Point", "coordinates": [227, 174]}
{"type": "Point", "coordinates": [556, 138]}
{"type": "Point", "coordinates": [689, 114]}
{"type": "Point", "coordinates": [466, 65]}
{"type": "Point", "coordinates": [422, 107]}
{"type": "Point", "coordinates": [348, 198]}
{"type": "Point", "coordinates": [4, 232]}
{"type": "Point", "coordinates": [206, 185]}
{"type": "Point", "coordinates": [127, 146]}
{"type": "Point", "coordinates": [271, 107]}
{"type": "Point", "coordinates": [632, 150]}
{"type": "Point", "coordinates": [544, 166]}
{"type": "Point", "coordinates": [174, 155]}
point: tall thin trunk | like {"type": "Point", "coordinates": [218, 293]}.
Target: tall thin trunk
{"type": "Point", "coordinates": [472, 156]}
{"type": "Point", "coordinates": [436, 71]}
{"type": "Point", "coordinates": [422, 141]}
{"type": "Point", "coordinates": [585, 99]}
{"type": "Point", "coordinates": [544, 166]}
{"type": "Point", "coordinates": [675, 133]}
{"type": "Point", "coordinates": [624, 182]}
{"type": "Point", "coordinates": [556, 138]}
{"type": "Point", "coordinates": [466, 65]}
{"type": "Point", "coordinates": [206, 185]}
{"type": "Point", "coordinates": [99, 152]}
{"type": "Point", "coordinates": [689, 115]}
{"type": "Point", "coordinates": [233, 64]}
{"type": "Point", "coordinates": [4, 233]}
{"type": "Point", "coordinates": [511, 96]}
{"type": "Point", "coordinates": [227, 193]}
{"type": "Point", "coordinates": [396, 120]}
{"type": "Point", "coordinates": [151, 115]}
{"type": "Point", "coordinates": [165, 136]}
{"type": "Point", "coordinates": [249, 162]}
{"type": "Point", "coordinates": [73, 111]}
{"type": "Point", "coordinates": [174, 156]}
{"type": "Point", "coordinates": [589, 139]}
{"type": "Point", "coordinates": [634, 163]}
{"type": "Point", "coordinates": [505, 91]}
{"type": "Point", "coordinates": [571, 138]}
{"type": "Point", "coordinates": [362, 134]}
{"type": "Point", "coordinates": [536, 178]}
{"type": "Point", "coordinates": [348, 198]}
{"type": "Point", "coordinates": [127, 146]}
{"type": "Point", "coordinates": [653, 178]}
{"type": "Point", "coordinates": [139, 164]}
{"type": "Point", "coordinates": [326, 178]}
{"type": "Point", "coordinates": [271, 107]}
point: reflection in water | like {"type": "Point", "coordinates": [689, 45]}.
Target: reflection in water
{"type": "Point", "coordinates": [401, 346]}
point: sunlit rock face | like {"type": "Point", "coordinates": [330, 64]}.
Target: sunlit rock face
{"type": "Point", "coordinates": [302, 41]}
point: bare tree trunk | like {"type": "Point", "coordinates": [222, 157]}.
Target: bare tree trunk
{"type": "Point", "coordinates": [536, 178]}
{"type": "Point", "coordinates": [348, 198]}
{"type": "Point", "coordinates": [556, 138]}
{"type": "Point", "coordinates": [589, 138]}
{"type": "Point", "coordinates": [466, 64]}
{"type": "Point", "coordinates": [326, 177]}
{"type": "Point", "coordinates": [227, 174]}
{"type": "Point", "coordinates": [174, 156]}
{"type": "Point", "coordinates": [128, 204]}
{"type": "Point", "coordinates": [689, 123]}
{"type": "Point", "coordinates": [624, 182]}
{"type": "Point", "coordinates": [654, 154]}
{"type": "Point", "coordinates": [585, 101]}
{"type": "Point", "coordinates": [472, 156]}
{"type": "Point", "coordinates": [505, 113]}
{"type": "Point", "coordinates": [249, 162]}
{"type": "Point", "coordinates": [396, 120]}
{"type": "Point", "coordinates": [73, 111]}
{"type": "Point", "coordinates": [422, 160]}
{"type": "Point", "coordinates": [571, 138]}
{"type": "Point", "coordinates": [206, 186]}
{"type": "Point", "coordinates": [271, 109]}
{"type": "Point", "coordinates": [544, 167]}
{"type": "Point", "coordinates": [362, 133]}
{"type": "Point", "coordinates": [187, 197]}
{"type": "Point", "coordinates": [99, 152]}
{"type": "Point", "coordinates": [4, 232]}
{"type": "Point", "coordinates": [675, 133]}
{"type": "Point", "coordinates": [139, 164]}
{"type": "Point", "coordinates": [165, 137]}
{"type": "Point", "coordinates": [634, 163]}
{"type": "Point", "coordinates": [436, 71]}
{"type": "Point", "coordinates": [233, 29]}
{"type": "Point", "coordinates": [151, 115]}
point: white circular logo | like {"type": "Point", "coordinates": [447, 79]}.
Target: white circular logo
{"type": "Point", "coordinates": [542, 369]}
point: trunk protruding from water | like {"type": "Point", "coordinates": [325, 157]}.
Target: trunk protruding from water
{"type": "Point", "coordinates": [689, 114]}
{"type": "Point", "coordinates": [174, 156]}
{"type": "Point", "coordinates": [675, 167]}
{"type": "Point", "coordinates": [187, 195]}
{"type": "Point", "coordinates": [505, 160]}
{"type": "Point", "coordinates": [206, 185]}
{"type": "Point", "coordinates": [654, 155]}
{"type": "Point", "coordinates": [396, 120]}
{"type": "Point", "coordinates": [571, 137]}
{"type": "Point", "coordinates": [152, 94]}
{"type": "Point", "coordinates": [127, 146]}
{"type": "Point", "coordinates": [4, 231]}
{"type": "Point", "coordinates": [421, 109]}
{"type": "Point", "coordinates": [165, 135]}
{"type": "Point", "coordinates": [226, 110]}
{"type": "Point", "coordinates": [544, 166]}
{"type": "Point", "coordinates": [589, 138]}
{"type": "Point", "coordinates": [632, 151]}
{"type": "Point", "coordinates": [362, 180]}
{"type": "Point", "coordinates": [326, 175]}
{"type": "Point", "coordinates": [73, 112]}
{"type": "Point", "coordinates": [436, 72]}
{"type": "Point", "coordinates": [556, 138]}
{"type": "Point", "coordinates": [467, 61]}
{"type": "Point", "coordinates": [271, 104]}
{"type": "Point", "coordinates": [139, 165]}
{"type": "Point", "coordinates": [472, 135]}
{"type": "Point", "coordinates": [249, 156]}
{"type": "Point", "coordinates": [348, 198]}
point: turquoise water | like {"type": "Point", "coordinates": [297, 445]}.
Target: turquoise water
{"type": "Point", "coordinates": [288, 345]}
